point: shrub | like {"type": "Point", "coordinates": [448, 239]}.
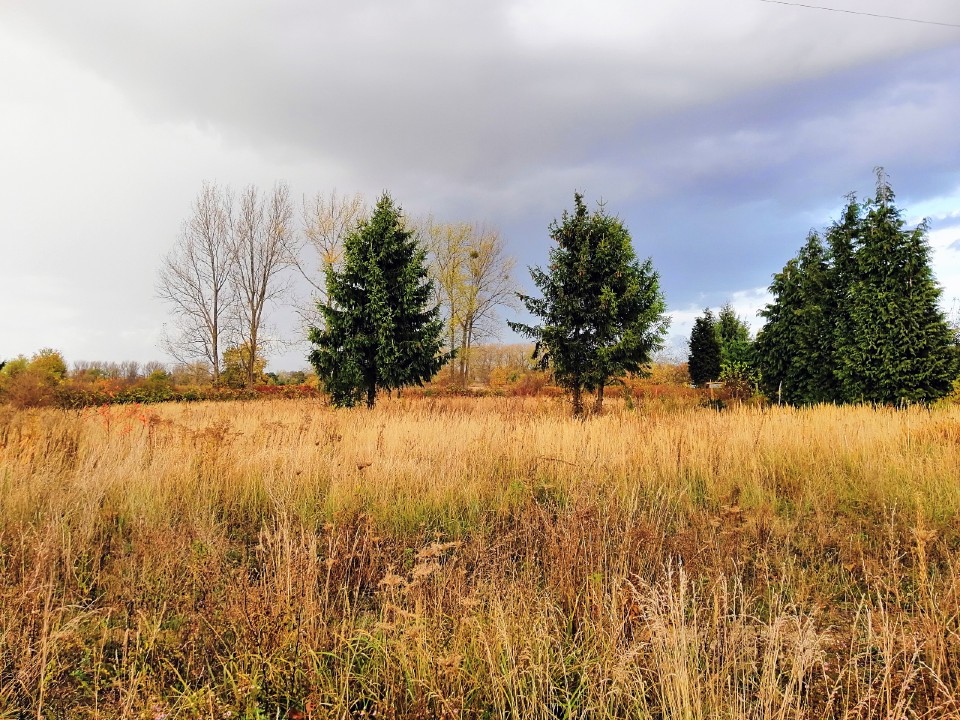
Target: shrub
{"type": "Point", "coordinates": [32, 383]}
{"type": "Point", "coordinates": [49, 364]}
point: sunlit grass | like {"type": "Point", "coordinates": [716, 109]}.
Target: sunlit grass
{"type": "Point", "coordinates": [479, 558]}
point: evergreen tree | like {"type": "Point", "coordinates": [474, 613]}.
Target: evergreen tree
{"type": "Point", "coordinates": [602, 310]}
{"type": "Point", "coordinates": [703, 363]}
{"type": "Point", "coordinates": [859, 321]}
{"type": "Point", "coordinates": [380, 331]}
{"type": "Point", "coordinates": [902, 346]}
{"type": "Point", "coordinates": [774, 346]}
{"type": "Point", "coordinates": [794, 349]}
{"type": "Point", "coordinates": [734, 335]}
{"type": "Point", "coordinates": [736, 353]}
{"type": "Point", "coordinates": [815, 339]}
{"type": "Point", "coordinates": [843, 239]}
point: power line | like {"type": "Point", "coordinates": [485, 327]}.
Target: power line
{"type": "Point", "coordinates": [857, 12]}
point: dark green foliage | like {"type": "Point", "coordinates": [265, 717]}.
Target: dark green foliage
{"type": "Point", "coordinates": [380, 331]}
{"type": "Point", "coordinates": [721, 349]}
{"type": "Point", "coordinates": [794, 349]}
{"type": "Point", "coordinates": [737, 366]}
{"type": "Point", "coordinates": [602, 311]}
{"type": "Point", "coordinates": [703, 363]}
{"type": "Point", "coordinates": [734, 336]}
{"type": "Point", "coordinates": [843, 239]}
{"type": "Point", "coordinates": [901, 347]}
{"type": "Point", "coordinates": [861, 324]}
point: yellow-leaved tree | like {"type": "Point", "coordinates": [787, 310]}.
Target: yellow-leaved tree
{"type": "Point", "coordinates": [237, 367]}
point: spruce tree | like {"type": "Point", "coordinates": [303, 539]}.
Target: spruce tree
{"type": "Point", "coordinates": [629, 311]}
{"type": "Point", "coordinates": [380, 330]}
{"type": "Point", "coordinates": [736, 352]}
{"type": "Point", "coordinates": [794, 349]}
{"type": "Point", "coordinates": [781, 375]}
{"type": "Point", "coordinates": [843, 240]}
{"type": "Point", "coordinates": [602, 311]}
{"type": "Point", "coordinates": [901, 350]}
{"type": "Point", "coordinates": [814, 344]}
{"type": "Point", "coordinates": [734, 336]}
{"type": "Point", "coordinates": [859, 321]}
{"type": "Point", "coordinates": [703, 364]}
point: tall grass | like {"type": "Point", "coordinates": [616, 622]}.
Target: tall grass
{"type": "Point", "coordinates": [479, 558]}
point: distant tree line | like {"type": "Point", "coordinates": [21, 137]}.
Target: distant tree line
{"type": "Point", "coordinates": [45, 380]}
{"type": "Point", "coordinates": [855, 316]}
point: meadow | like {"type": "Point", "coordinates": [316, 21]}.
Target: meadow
{"type": "Point", "coordinates": [479, 558]}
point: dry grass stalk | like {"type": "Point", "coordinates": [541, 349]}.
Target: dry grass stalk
{"type": "Point", "coordinates": [479, 558]}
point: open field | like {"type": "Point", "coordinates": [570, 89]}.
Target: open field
{"type": "Point", "coordinates": [481, 558]}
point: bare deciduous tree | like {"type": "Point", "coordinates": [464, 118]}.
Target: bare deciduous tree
{"type": "Point", "coordinates": [326, 221]}
{"type": "Point", "coordinates": [195, 280]}
{"type": "Point", "coordinates": [261, 248]}
{"type": "Point", "coordinates": [153, 366]}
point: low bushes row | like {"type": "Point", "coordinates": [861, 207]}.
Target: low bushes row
{"type": "Point", "coordinates": [74, 395]}
{"type": "Point", "coordinates": [77, 396]}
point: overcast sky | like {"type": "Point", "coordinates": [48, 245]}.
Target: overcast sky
{"type": "Point", "coordinates": [721, 132]}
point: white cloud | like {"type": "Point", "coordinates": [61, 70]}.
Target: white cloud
{"type": "Point", "coordinates": [746, 303]}
{"type": "Point", "coordinates": [945, 259]}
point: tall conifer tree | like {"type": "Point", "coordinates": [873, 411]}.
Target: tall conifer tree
{"type": "Point", "coordinates": [775, 348]}
{"type": "Point", "coordinates": [859, 321]}
{"type": "Point", "coordinates": [703, 364]}
{"type": "Point", "coordinates": [843, 241]}
{"type": "Point", "coordinates": [902, 346]}
{"type": "Point", "coordinates": [795, 347]}
{"type": "Point", "coordinates": [380, 330]}
{"type": "Point", "coordinates": [814, 339]}
{"type": "Point", "coordinates": [602, 311]}
{"type": "Point", "coordinates": [734, 335]}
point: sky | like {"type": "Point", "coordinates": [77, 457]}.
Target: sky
{"type": "Point", "coordinates": [720, 132]}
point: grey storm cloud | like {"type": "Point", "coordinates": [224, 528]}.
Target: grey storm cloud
{"type": "Point", "coordinates": [477, 92]}
{"type": "Point", "coordinates": [739, 188]}
{"type": "Point", "coordinates": [721, 132]}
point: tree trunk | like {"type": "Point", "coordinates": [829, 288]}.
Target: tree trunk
{"type": "Point", "coordinates": [598, 403]}
{"type": "Point", "coordinates": [215, 342]}
{"type": "Point", "coordinates": [464, 349]}
{"type": "Point", "coordinates": [216, 363]}
{"type": "Point", "coordinates": [453, 347]}
{"type": "Point", "coordinates": [371, 395]}
{"type": "Point", "coordinates": [466, 355]}
{"type": "Point", "coordinates": [252, 356]}
{"type": "Point", "coordinates": [577, 401]}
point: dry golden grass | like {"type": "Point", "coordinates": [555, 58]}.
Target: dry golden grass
{"type": "Point", "coordinates": [480, 558]}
